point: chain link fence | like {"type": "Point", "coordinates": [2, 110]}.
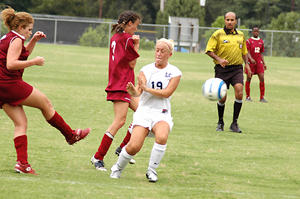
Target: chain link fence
{"type": "Point", "coordinates": [69, 30]}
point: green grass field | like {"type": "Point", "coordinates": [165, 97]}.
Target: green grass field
{"type": "Point", "coordinates": [262, 162]}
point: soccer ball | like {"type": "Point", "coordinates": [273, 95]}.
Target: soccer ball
{"type": "Point", "coordinates": [214, 89]}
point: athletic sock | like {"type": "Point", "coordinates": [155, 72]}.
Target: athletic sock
{"type": "Point", "coordinates": [58, 122]}
{"type": "Point", "coordinates": [104, 146]}
{"type": "Point", "coordinates": [158, 152]}
{"type": "Point", "coordinates": [123, 159]}
{"type": "Point", "coordinates": [21, 148]}
{"type": "Point", "coordinates": [221, 108]}
{"type": "Point", "coordinates": [247, 89]}
{"type": "Point", "coordinates": [262, 89]}
{"type": "Point", "coordinates": [236, 110]}
{"type": "Point", "coordinates": [127, 137]}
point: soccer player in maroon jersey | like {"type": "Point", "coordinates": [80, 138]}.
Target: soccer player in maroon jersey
{"type": "Point", "coordinates": [123, 54]}
{"type": "Point", "coordinates": [15, 93]}
{"type": "Point", "coordinates": [255, 47]}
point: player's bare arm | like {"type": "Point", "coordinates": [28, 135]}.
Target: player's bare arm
{"type": "Point", "coordinates": [222, 62]}
{"type": "Point", "coordinates": [35, 38]}
{"type": "Point", "coordinates": [245, 58]}
{"type": "Point", "coordinates": [166, 92]}
{"type": "Point", "coordinates": [136, 42]}
{"type": "Point", "coordinates": [13, 55]}
{"type": "Point", "coordinates": [263, 60]}
{"type": "Point", "coordinates": [251, 59]}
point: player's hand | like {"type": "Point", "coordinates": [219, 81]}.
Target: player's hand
{"type": "Point", "coordinates": [265, 67]}
{"type": "Point", "coordinates": [131, 89]}
{"type": "Point", "coordinates": [39, 35]}
{"type": "Point", "coordinates": [142, 82]}
{"type": "Point", "coordinates": [39, 60]}
{"type": "Point", "coordinates": [252, 61]}
{"type": "Point", "coordinates": [136, 39]}
{"type": "Point", "coordinates": [247, 67]}
{"type": "Point", "coordinates": [223, 62]}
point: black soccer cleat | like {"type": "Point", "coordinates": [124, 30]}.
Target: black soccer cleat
{"type": "Point", "coordinates": [118, 151]}
{"type": "Point", "coordinates": [234, 127]}
{"type": "Point", "coordinates": [220, 126]}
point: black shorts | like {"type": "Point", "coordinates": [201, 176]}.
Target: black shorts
{"type": "Point", "coordinates": [231, 74]}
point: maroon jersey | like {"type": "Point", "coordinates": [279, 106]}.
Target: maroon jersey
{"type": "Point", "coordinates": [255, 47]}
{"type": "Point", "coordinates": [5, 41]}
{"type": "Point", "coordinates": [120, 54]}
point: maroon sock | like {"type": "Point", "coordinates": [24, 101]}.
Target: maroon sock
{"type": "Point", "coordinates": [262, 89]}
{"type": "Point", "coordinates": [21, 148]}
{"type": "Point", "coordinates": [126, 139]}
{"type": "Point", "coordinates": [247, 89]}
{"type": "Point", "coordinates": [58, 122]}
{"type": "Point", "coordinates": [104, 146]}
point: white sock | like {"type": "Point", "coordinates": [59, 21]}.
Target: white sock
{"type": "Point", "coordinates": [123, 159]}
{"type": "Point", "coordinates": [158, 152]}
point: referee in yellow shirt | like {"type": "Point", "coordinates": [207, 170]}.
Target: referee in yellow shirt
{"type": "Point", "coordinates": [228, 49]}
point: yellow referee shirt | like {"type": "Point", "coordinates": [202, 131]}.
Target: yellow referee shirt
{"type": "Point", "coordinates": [229, 46]}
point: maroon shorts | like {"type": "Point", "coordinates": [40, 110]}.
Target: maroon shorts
{"type": "Point", "coordinates": [118, 96]}
{"type": "Point", "coordinates": [256, 68]}
{"type": "Point", "coordinates": [14, 92]}
{"type": "Point", "coordinates": [231, 74]}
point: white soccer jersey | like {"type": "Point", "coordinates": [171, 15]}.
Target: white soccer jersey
{"type": "Point", "coordinates": [157, 79]}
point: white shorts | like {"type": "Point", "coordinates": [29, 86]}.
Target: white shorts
{"type": "Point", "coordinates": [148, 118]}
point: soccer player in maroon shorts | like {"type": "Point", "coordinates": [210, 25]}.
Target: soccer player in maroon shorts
{"type": "Point", "coordinates": [14, 92]}
{"type": "Point", "coordinates": [255, 47]}
{"type": "Point", "coordinates": [123, 54]}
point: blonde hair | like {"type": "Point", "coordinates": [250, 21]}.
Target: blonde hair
{"type": "Point", "coordinates": [13, 20]}
{"type": "Point", "coordinates": [168, 42]}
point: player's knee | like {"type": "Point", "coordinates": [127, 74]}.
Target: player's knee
{"type": "Point", "coordinates": [20, 126]}
{"type": "Point", "coordinates": [133, 148]}
{"type": "Point", "coordinates": [162, 139]}
{"type": "Point", "coordinates": [121, 122]}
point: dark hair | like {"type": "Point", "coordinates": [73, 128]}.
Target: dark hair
{"type": "Point", "coordinates": [13, 20]}
{"type": "Point", "coordinates": [124, 18]}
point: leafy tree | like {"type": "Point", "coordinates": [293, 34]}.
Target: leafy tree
{"type": "Point", "coordinates": [83, 8]}
{"type": "Point", "coordinates": [147, 9]}
{"type": "Point", "coordinates": [23, 5]}
{"type": "Point", "coordinates": [96, 37]}
{"type": "Point", "coordinates": [286, 44]}
{"type": "Point", "coordinates": [254, 12]}
{"type": "Point", "coordinates": [181, 8]}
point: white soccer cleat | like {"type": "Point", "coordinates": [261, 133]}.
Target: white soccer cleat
{"type": "Point", "coordinates": [115, 172]}
{"type": "Point", "coordinates": [151, 175]}
{"type": "Point", "coordinates": [132, 161]}
{"type": "Point", "coordinates": [99, 164]}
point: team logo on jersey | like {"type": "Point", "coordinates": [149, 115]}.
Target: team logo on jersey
{"type": "Point", "coordinates": [168, 74]}
{"type": "Point", "coordinates": [241, 46]}
{"type": "Point", "coordinates": [225, 41]}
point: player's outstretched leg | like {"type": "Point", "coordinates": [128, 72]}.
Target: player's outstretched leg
{"type": "Point", "coordinates": [71, 136]}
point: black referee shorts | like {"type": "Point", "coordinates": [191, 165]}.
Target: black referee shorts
{"type": "Point", "coordinates": [231, 74]}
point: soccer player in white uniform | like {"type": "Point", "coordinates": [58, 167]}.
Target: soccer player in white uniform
{"type": "Point", "coordinates": [156, 83]}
